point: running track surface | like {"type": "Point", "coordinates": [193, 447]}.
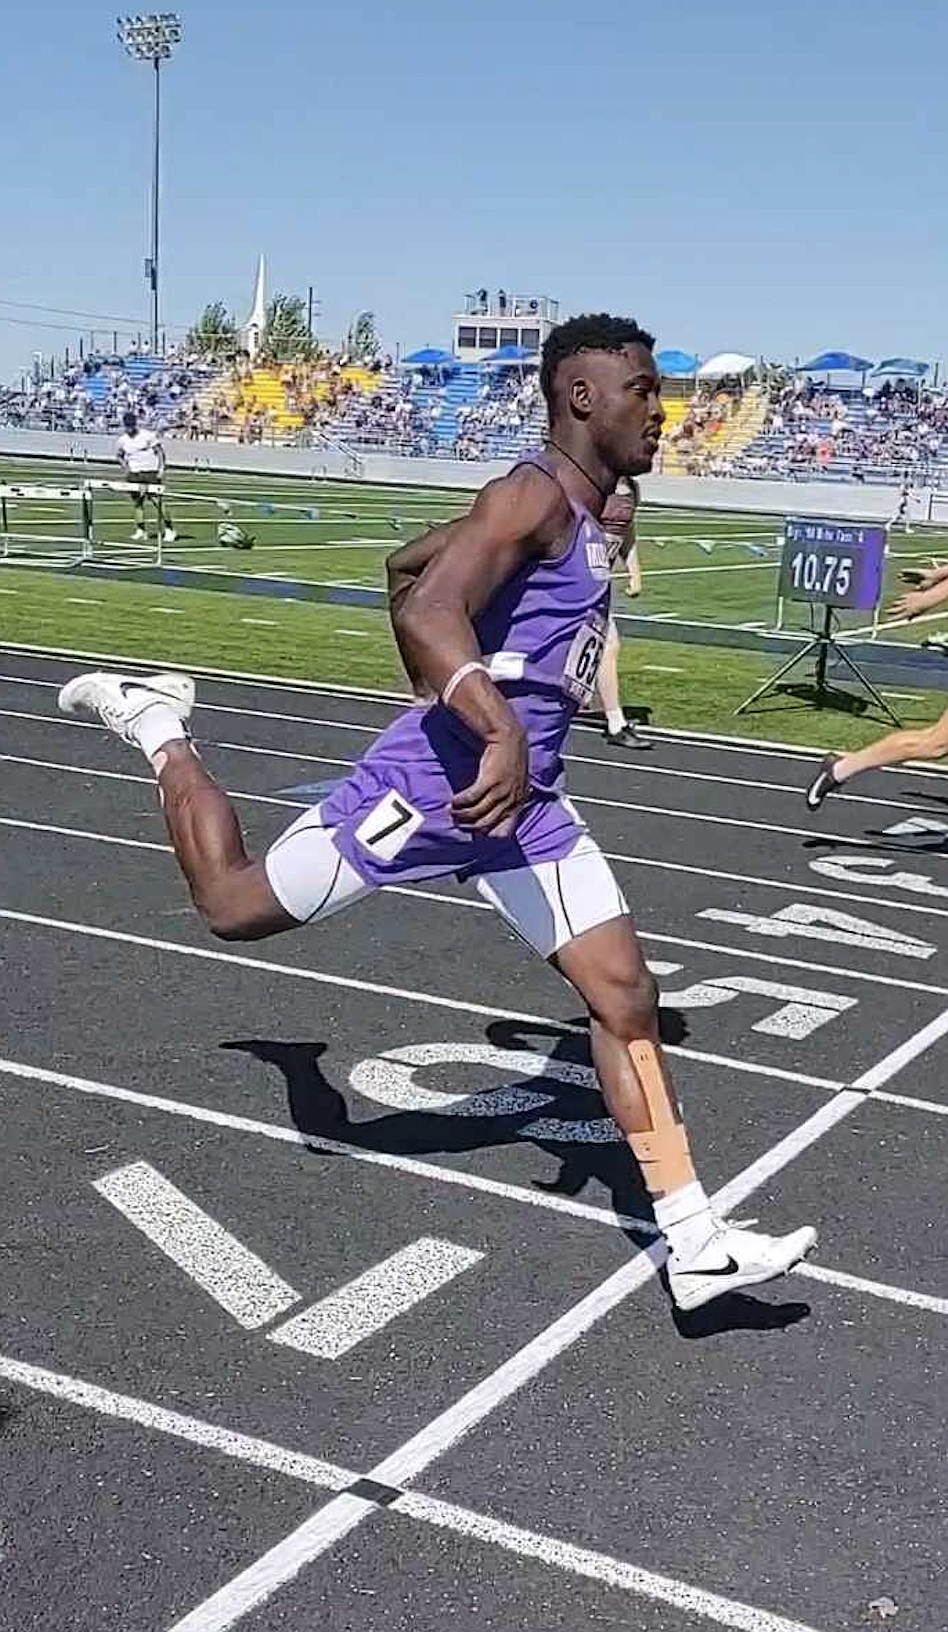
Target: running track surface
{"type": "Point", "coordinates": [327, 1302]}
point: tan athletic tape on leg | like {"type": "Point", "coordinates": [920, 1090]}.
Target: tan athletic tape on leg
{"type": "Point", "coordinates": [662, 1151]}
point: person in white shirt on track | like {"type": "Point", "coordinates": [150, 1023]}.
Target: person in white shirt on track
{"type": "Point", "coordinates": [142, 457]}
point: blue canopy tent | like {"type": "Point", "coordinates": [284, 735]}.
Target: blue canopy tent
{"type": "Point", "coordinates": [905, 368]}
{"type": "Point", "coordinates": [512, 357]}
{"type": "Point", "coordinates": [430, 357]}
{"type": "Point", "coordinates": [836, 362]}
{"type": "Point", "coordinates": [676, 365]}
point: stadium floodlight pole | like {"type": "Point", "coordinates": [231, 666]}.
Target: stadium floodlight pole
{"type": "Point", "coordinates": [151, 39]}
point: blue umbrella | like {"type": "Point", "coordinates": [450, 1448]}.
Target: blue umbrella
{"type": "Point", "coordinates": [429, 357]}
{"type": "Point", "coordinates": [673, 365]}
{"type": "Point", "coordinates": [836, 362]}
{"type": "Point", "coordinates": [506, 355]}
{"type": "Point", "coordinates": [904, 366]}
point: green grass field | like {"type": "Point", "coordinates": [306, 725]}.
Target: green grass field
{"type": "Point", "coordinates": [697, 567]}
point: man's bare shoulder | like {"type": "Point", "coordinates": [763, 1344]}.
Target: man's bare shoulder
{"type": "Point", "coordinates": [530, 501]}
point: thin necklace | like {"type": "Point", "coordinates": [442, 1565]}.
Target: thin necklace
{"type": "Point", "coordinates": [603, 494]}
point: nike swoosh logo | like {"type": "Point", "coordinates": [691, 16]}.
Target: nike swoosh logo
{"type": "Point", "coordinates": [730, 1268]}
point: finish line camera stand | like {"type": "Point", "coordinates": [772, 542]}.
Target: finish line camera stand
{"type": "Point", "coordinates": [824, 643]}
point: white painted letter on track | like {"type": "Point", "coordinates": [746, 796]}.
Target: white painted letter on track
{"type": "Point", "coordinates": [824, 924]}
{"type": "Point", "coordinates": [390, 1079]}
{"type": "Point", "coordinates": [875, 870]}
{"type": "Point", "coordinates": [800, 1012]}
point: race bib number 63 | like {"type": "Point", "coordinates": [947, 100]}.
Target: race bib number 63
{"type": "Point", "coordinates": [581, 669]}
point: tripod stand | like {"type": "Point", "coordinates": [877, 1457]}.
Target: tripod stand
{"type": "Point", "coordinates": [823, 643]}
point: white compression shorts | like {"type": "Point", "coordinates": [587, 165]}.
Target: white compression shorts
{"type": "Point", "coordinates": [547, 904]}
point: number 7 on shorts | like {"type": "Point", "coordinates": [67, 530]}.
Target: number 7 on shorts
{"type": "Point", "coordinates": [388, 827]}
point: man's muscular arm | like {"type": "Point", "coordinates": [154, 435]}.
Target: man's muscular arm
{"type": "Point", "coordinates": [513, 521]}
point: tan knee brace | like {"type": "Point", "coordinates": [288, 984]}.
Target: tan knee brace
{"type": "Point", "coordinates": [662, 1150]}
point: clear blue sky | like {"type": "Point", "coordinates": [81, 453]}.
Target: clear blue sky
{"type": "Point", "coordinates": [767, 176]}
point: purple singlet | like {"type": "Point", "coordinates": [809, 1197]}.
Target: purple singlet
{"type": "Point", "coordinates": [542, 636]}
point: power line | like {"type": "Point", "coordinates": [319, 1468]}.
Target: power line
{"type": "Point", "coordinates": [67, 311]}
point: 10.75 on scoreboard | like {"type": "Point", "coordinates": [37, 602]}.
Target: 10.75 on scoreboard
{"type": "Point", "coordinates": [833, 563]}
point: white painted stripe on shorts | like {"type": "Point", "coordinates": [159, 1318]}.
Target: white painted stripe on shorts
{"type": "Point", "coordinates": [356, 1311]}
{"type": "Point", "coordinates": [220, 1264]}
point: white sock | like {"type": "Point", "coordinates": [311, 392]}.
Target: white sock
{"type": "Point", "coordinates": [685, 1219]}
{"type": "Point", "coordinates": [157, 725]}
{"type": "Point", "coordinates": [615, 720]}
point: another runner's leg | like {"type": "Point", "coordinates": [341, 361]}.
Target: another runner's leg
{"type": "Point", "coordinates": [619, 732]}
{"type": "Point", "coordinates": [928, 742]}
{"type": "Point", "coordinates": [707, 1257]}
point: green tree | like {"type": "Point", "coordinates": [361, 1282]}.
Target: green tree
{"type": "Point", "coordinates": [363, 343]}
{"type": "Point", "coordinates": [285, 335]}
{"type": "Point", "coordinates": [214, 335]}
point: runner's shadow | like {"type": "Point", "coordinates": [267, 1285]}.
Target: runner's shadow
{"type": "Point", "coordinates": [319, 1110]}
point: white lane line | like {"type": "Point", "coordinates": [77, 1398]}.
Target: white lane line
{"type": "Point", "coordinates": [478, 1184]}
{"type": "Point", "coordinates": [832, 1113]}
{"type": "Point", "coordinates": [356, 1311]}
{"type": "Point", "coordinates": [263, 623]}
{"type": "Point", "coordinates": [716, 741]}
{"type": "Point", "coordinates": [227, 1270]}
{"type": "Point", "coordinates": [408, 995]}
{"type": "Point", "coordinates": [283, 1562]}
{"type": "Point", "coordinates": [170, 611]}
{"type": "Point", "coordinates": [413, 1505]}
{"type": "Point", "coordinates": [356, 634]}
{"type": "Point", "coordinates": [524, 1195]}
{"type": "Point", "coordinates": [875, 1289]}
{"type": "Point", "coordinates": [82, 600]}
{"type": "Point", "coordinates": [261, 1453]}
{"type": "Point", "coordinates": [743, 953]}
{"type": "Point", "coordinates": [610, 1572]}
{"type": "Point", "coordinates": [674, 812]}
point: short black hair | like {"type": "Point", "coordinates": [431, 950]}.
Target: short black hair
{"type": "Point", "coordinates": [129, 419]}
{"type": "Point", "coordinates": [596, 331]}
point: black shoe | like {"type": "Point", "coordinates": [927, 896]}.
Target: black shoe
{"type": "Point", "coordinates": [628, 737]}
{"type": "Point", "coordinates": [823, 783]}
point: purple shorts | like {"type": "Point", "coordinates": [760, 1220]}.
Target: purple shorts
{"type": "Point", "coordinates": [391, 819]}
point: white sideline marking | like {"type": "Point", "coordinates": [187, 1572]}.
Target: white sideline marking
{"type": "Point", "coordinates": [227, 1270]}
{"type": "Point", "coordinates": [611, 1572]}
{"type": "Point", "coordinates": [125, 1408]}
{"type": "Point", "coordinates": [449, 900]}
{"type": "Point", "coordinates": [338, 1518]}
{"type": "Point", "coordinates": [378, 989]}
{"type": "Point", "coordinates": [605, 1216]}
{"type": "Point", "coordinates": [364, 1305]}
{"type": "Point", "coordinates": [891, 903]}
{"type": "Point", "coordinates": [761, 747]}
{"type": "Point", "coordinates": [875, 1289]}
{"type": "Point", "coordinates": [462, 1521]}
{"type": "Point", "coordinates": [370, 730]}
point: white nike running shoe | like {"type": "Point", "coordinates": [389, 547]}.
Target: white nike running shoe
{"type": "Point", "coordinates": [139, 535]}
{"type": "Point", "coordinates": [168, 536]}
{"type": "Point", "coordinates": [120, 700]}
{"type": "Point", "coordinates": [732, 1258]}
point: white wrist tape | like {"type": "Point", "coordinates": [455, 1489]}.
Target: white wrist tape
{"type": "Point", "coordinates": [459, 675]}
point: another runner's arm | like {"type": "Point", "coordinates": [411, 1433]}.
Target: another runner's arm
{"type": "Point", "coordinates": [918, 601]}
{"type": "Point", "coordinates": [403, 568]}
{"type": "Point", "coordinates": [618, 516]}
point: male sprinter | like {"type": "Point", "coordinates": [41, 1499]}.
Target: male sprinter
{"type": "Point", "coordinates": [927, 742]}
{"type": "Point", "coordinates": [501, 621]}
{"type": "Point", "coordinates": [618, 521]}
{"type": "Point", "coordinates": [143, 458]}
